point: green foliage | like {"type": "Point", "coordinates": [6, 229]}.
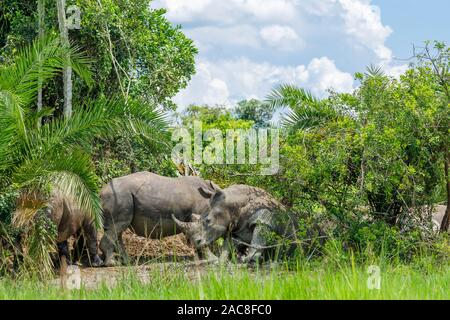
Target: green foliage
{"type": "Point", "coordinates": [137, 51]}
{"type": "Point", "coordinates": [7, 204]}
{"type": "Point", "coordinates": [125, 156]}
{"type": "Point", "coordinates": [366, 166]}
{"type": "Point", "coordinates": [213, 118]}
{"type": "Point", "coordinates": [254, 110]}
{"type": "Point", "coordinates": [222, 119]}
{"type": "Point", "coordinates": [306, 281]}
{"type": "Point", "coordinates": [38, 245]}
{"type": "Point", "coordinates": [35, 156]}
{"type": "Point", "coordinates": [378, 148]}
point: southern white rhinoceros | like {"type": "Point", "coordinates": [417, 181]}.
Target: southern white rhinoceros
{"type": "Point", "coordinates": [239, 213]}
{"type": "Point", "coordinates": [145, 202]}
{"type": "Point", "coordinates": [243, 214]}
{"type": "Point", "coordinates": [70, 220]}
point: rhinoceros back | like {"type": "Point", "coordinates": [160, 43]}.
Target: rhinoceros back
{"type": "Point", "coordinates": [66, 215]}
{"type": "Point", "coordinates": [148, 201]}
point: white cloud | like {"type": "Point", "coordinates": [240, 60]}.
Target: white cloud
{"type": "Point", "coordinates": [323, 74]}
{"type": "Point", "coordinates": [210, 37]}
{"type": "Point", "coordinates": [358, 19]}
{"type": "Point", "coordinates": [227, 11]}
{"type": "Point", "coordinates": [363, 22]}
{"type": "Point", "coordinates": [281, 37]}
{"type": "Point", "coordinates": [269, 9]}
{"type": "Point", "coordinates": [394, 71]}
{"type": "Point", "coordinates": [241, 78]}
{"type": "Point", "coordinates": [249, 46]}
{"type": "Point", "coordinates": [204, 89]}
{"type": "Point", "coordinates": [182, 10]}
{"type": "Point", "coordinates": [319, 8]}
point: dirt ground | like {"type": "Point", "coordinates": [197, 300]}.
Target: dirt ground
{"type": "Point", "coordinates": [92, 278]}
{"type": "Point", "coordinates": [147, 256]}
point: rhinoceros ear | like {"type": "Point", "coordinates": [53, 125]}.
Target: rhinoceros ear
{"type": "Point", "coordinates": [205, 192]}
{"type": "Point", "coordinates": [208, 194]}
{"type": "Point", "coordinates": [214, 186]}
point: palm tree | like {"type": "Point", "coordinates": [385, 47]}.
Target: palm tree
{"type": "Point", "coordinates": [305, 111]}
{"type": "Point", "coordinates": [56, 154]}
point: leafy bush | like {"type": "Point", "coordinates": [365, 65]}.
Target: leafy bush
{"type": "Point", "coordinates": [7, 204]}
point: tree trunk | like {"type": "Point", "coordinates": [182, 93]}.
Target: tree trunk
{"type": "Point", "coordinates": [41, 30]}
{"type": "Point", "coordinates": [446, 221]}
{"type": "Point", "coordinates": [61, 7]}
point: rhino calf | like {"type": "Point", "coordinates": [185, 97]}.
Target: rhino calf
{"type": "Point", "coordinates": [145, 203]}
{"type": "Point", "coordinates": [70, 220]}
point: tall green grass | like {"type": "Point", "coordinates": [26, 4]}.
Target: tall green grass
{"type": "Point", "coordinates": [311, 281]}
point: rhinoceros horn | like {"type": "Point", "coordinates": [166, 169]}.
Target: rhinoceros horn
{"type": "Point", "coordinates": [195, 217]}
{"type": "Point", "coordinates": [183, 225]}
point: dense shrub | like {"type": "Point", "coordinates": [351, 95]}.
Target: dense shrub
{"type": "Point", "coordinates": [7, 204]}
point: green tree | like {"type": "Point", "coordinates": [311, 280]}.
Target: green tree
{"type": "Point", "coordinates": [377, 148]}
{"type": "Point", "coordinates": [57, 154]}
{"type": "Point", "coordinates": [137, 51]}
{"type": "Point", "coordinates": [254, 110]}
{"type": "Point", "coordinates": [435, 58]}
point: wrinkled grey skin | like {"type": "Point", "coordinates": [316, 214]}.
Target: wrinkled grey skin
{"type": "Point", "coordinates": [71, 221]}
{"type": "Point", "coordinates": [145, 202]}
{"type": "Point", "coordinates": [232, 216]}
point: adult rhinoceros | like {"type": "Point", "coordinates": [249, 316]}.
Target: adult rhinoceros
{"type": "Point", "coordinates": [145, 202]}
{"type": "Point", "coordinates": [241, 214]}
{"type": "Point", "coordinates": [70, 220]}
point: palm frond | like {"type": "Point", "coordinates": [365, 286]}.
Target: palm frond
{"type": "Point", "coordinates": [374, 71]}
{"type": "Point", "coordinates": [81, 64]}
{"type": "Point", "coordinates": [305, 110]}
{"type": "Point", "coordinates": [102, 118]}
{"type": "Point", "coordinates": [38, 243]}
{"type": "Point", "coordinates": [12, 126]}
{"type": "Point", "coordinates": [19, 83]}
{"type": "Point", "coordinates": [308, 118]}
{"type": "Point", "coordinates": [56, 153]}
{"type": "Point", "coordinates": [290, 96]}
{"type": "Point", "coordinates": [28, 204]}
{"type": "Point", "coordinates": [71, 172]}
{"type": "Point", "coordinates": [37, 64]}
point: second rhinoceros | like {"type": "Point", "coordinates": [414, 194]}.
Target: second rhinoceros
{"type": "Point", "coordinates": [241, 214]}
{"type": "Point", "coordinates": [70, 221]}
{"type": "Point", "coordinates": [145, 202]}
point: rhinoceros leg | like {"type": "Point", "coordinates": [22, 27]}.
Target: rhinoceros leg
{"type": "Point", "coordinates": [206, 254]}
{"type": "Point", "coordinates": [227, 251]}
{"type": "Point", "coordinates": [122, 251]}
{"type": "Point", "coordinates": [90, 234]}
{"type": "Point", "coordinates": [63, 251]}
{"type": "Point", "coordinates": [112, 241]}
{"type": "Point", "coordinates": [79, 246]}
{"type": "Point", "coordinates": [256, 247]}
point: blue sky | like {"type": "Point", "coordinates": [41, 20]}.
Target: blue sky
{"type": "Point", "coordinates": [248, 47]}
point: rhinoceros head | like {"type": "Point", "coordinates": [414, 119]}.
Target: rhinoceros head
{"type": "Point", "coordinates": [205, 229]}
{"type": "Point", "coordinates": [215, 222]}
{"type": "Point", "coordinates": [192, 230]}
